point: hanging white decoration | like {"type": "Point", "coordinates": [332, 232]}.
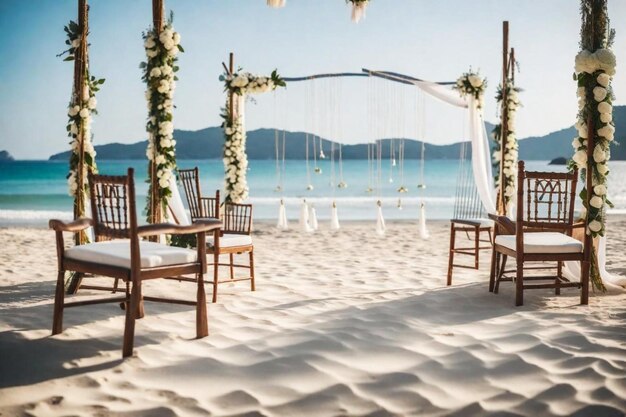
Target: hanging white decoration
{"type": "Point", "coordinates": [304, 217]}
{"type": "Point", "coordinates": [380, 220]}
{"type": "Point", "coordinates": [276, 3]}
{"type": "Point", "coordinates": [358, 9]}
{"type": "Point", "coordinates": [334, 217]}
{"type": "Point", "coordinates": [282, 224]}
{"type": "Point", "coordinates": [313, 218]}
{"type": "Point", "coordinates": [424, 233]}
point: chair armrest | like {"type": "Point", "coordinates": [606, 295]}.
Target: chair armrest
{"type": "Point", "coordinates": [202, 225]}
{"type": "Point", "coordinates": [578, 225]}
{"type": "Point", "coordinates": [504, 223]}
{"type": "Point", "coordinates": [73, 226]}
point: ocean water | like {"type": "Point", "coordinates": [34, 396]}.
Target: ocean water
{"type": "Point", "coordinates": [31, 192]}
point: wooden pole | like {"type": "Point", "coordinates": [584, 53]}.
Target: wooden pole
{"type": "Point", "coordinates": [231, 98]}
{"type": "Point", "coordinates": [155, 201]}
{"type": "Point", "coordinates": [504, 116]}
{"type": "Point", "coordinates": [80, 65]}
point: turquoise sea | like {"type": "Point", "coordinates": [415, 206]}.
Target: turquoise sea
{"type": "Point", "coordinates": [31, 192]}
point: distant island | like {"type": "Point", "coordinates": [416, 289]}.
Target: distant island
{"type": "Point", "coordinates": [207, 144]}
{"type": "Point", "coordinates": [559, 161]}
{"type": "Point", "coordinates": [5, 156]}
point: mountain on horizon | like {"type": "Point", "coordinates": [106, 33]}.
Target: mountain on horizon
{"type": "Point", "coordinates": [207, 144]}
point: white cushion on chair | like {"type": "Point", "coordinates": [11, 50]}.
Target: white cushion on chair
{"type": "Point", "coordinates": [543, 242]}
{"type": "Point", "coordinates": [230, 240]}
{"type": "Point", "coordinates": [117, 253]}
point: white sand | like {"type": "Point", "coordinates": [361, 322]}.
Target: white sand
{"type": "Point", "coordinates": [340, 324]}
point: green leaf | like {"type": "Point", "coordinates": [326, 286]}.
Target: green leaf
{"type": "Point", "coordinates": [68, 58]}
{"type": "Point", "coordinates": [180, 48]}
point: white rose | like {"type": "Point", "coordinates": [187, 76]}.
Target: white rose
{"type": "Point", "coordinates": [606, 117]}
{"type": "Point", "coordinates": [176, 38]}
{"type": "Point", "coordinates": [603, 79]}
{"type": "Point", "coordinates": [576, 143]}
{"type": "Point", "coordinates": [580, 158]}
{"type": "Point", "coordinates": [596, 201]}
{"type": "Point", "coordinates": [584, 62]}
{"type": "Point", "coordinates": [607, 132]}
{"type": "Point", "coordinates": [603, 169]}
{"type": "Point", "coordinates": [599, 93]}
{"type": "Point", "coordinates": [92, 103]}
{"type": "Point", "coordinates": [155, 72]}
{"type": "Point", "coordinates": [581, 92]}
{"type": "Point", "coordinates": [605, 60]}
{"type": "Point", "coordinates": [599, 189]}
{"type": "Point", "coordinates": [599, 154]}
{"type": "Point", "coordinates": [595, 226]}
{"type": "Point", "coordinates": [605, 107]}
{"type": "Point", "coordinates": [73, 129]}
{"type": "Point", "coordinates": [84, 113]}
{"type": "Point", "coordinates": [475, 81]}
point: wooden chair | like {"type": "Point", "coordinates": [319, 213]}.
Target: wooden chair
{"type": "Point", "coordinates": [470, 219]}
{"type": "Point", "coordinates": [120, 253]}
{"type": "Point", "coordinates": [541, 233]}
{"type": "Point", "coordinates": [235, 236]}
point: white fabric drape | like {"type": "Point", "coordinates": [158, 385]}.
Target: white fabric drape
{"type": "Point", "coordinates": [175, 206]}
{"type": "Point", "coordinates": [613, 283]}
{"type": "Point", "coordinates": [304, 217]}
{"type": "Point", "coordinates": [313, 218]}
{"type": "Point", "coordinates": [380, 221]}
{"type": "Point", "coordinates": [481, 155]}
{"type": "Point", "coordinates": [424, 233]}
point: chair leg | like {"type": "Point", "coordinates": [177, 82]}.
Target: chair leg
{"type": "Point", "coordinates": [216, 260]}
{"type": "Point", "coordinates": [557, 282]}
{"type": "Point", "coordinates": [451, 254]}
{"type": "Point", "coordinates": [140, 310]}
{"type": "Point", "coordinates": [500, 271]}
{"type": "Point", "coordinates": [519, 284]}
{"type": "Point", "coordinates": [115, 284]}
{"type": "Point", "coordinates": [584, 281]}
{"type": "Point", "coordinates": [59, 296]}
{"type": "Point", "coordinates": [132, 308]}
{"type": "Point", "coordinates": [252, 286]}
{"type": "Point", "coordinates": [232, 268]}
{"type": "Point", "coordinates": [476, 247]}
{"type": "Point", "coordinates": [202, 325]}
{"type": "Point", "coordinates": [492, 271]}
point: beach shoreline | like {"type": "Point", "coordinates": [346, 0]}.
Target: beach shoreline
{"type": "Point", "coordinates": [342, 323]}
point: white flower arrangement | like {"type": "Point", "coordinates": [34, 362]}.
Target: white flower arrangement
{"type": "Point", "coordinates": [234, 157]}
{"type": "Point", "coordinates": [593, 73]}
{"type": "Point", "coordinates": [160, 78]}
{"type": "Point", "coordinates": [472, 84]}
{"type": "Point", "coordinates": [510, 145]}
{"type": "Point", "coordinates": [235, 162]}
{"type": "Point", "coordinates": [80, 110]}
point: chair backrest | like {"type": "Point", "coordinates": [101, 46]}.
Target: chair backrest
{"type": "Point", "coordinates": [237, 218]}
{"type": "Point", "coordinates": [113, 206]}
{"type": "Point", "coordinates": [191, 185]}
{"type": "Point", "coordinates": [199, 207]}
{"type": "Point", "coordinates": [546, 199]}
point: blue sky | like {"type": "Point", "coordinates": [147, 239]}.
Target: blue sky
{"type": "Point", "coordinates": [432, 40]}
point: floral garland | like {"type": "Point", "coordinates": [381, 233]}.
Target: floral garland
{"type": "Point", "coordinates": [510, 146]}
{"type": "Point", "coordinates": [235, 159]}
{"type": "Point", "coordinates": [595, 96]}
{"type": "Point", "coordinates": [160, 78]}
{"type": "Point", "coordinates": [81, 108]}
{"type": "Point", "coordinates": [472, 84]}
{"type": "Point", "coordinates": [276, 3]}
